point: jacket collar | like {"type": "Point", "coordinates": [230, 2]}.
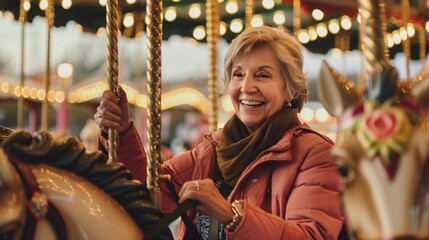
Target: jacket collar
{"type": "Point", "coordinates": [285, 141]}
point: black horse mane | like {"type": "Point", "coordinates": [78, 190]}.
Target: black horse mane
{"type": "Point", "coordinates": [69, 154]}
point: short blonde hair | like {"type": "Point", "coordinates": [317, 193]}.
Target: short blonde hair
{"type": "Point", "coordinates": [288, 51]}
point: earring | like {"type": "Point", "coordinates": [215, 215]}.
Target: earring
{"type": "Point", "coordinates": [287, 104]}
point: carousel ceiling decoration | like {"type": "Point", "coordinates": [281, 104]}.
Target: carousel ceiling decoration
{"type": "Point", "coordinates": [322, 24]}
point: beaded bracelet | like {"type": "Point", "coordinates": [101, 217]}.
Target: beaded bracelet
{"type": "Point", "coordinates": [237, 208]}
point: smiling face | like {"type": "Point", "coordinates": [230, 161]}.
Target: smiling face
{"type": "Point", "coordinates": [257, 86]}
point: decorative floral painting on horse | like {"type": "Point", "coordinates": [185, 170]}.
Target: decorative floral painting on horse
{"type": "Point", "coordinates": [382, 146]}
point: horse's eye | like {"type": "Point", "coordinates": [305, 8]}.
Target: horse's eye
{"type": "Point", "coordinates": [343, 170]}
{"type": "Point", "coordinates": [346, 171]}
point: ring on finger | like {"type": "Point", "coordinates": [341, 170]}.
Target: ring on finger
{"type": "Point", "coordinates": [197, 185]}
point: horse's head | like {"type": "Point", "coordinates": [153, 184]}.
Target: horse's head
{"type": "Point", "coordinates": [54, 189]}
{"type": "Point", "coordinates": [382, 153]}
{"type": "Point", "coordinates": [12, 201]}
{"type": "Point", "coordinates": [12, 196]}
{"type": "Point", "coordinates": [382, 148]}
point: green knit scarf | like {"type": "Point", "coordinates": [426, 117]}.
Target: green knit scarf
{"type": "Point", "coordinates": [238, 148]}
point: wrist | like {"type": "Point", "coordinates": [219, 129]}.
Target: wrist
{"type": "Point", "coordinates": [238, 209]}
{"type": "Point", "coordinates": [126, 129]}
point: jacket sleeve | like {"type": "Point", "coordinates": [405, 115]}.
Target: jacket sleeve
{"type": "Point", "coordinates": [180, 168]}
{"type": "Point", "coordinates": [190, 165]}
{"type": "Point", "coordinates": [312, 210]}
{"type": "Point", "coordinates": [130, 152]}
{"type": "Point", "coordinates": [257, 224]}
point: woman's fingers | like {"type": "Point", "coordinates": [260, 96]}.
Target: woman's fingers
{"type": "Point", "coordinates": [108, 118]}
{"type": "Point", "coordinates": [113, 111]}
{"type": "Point", "coordinates": [108, 114]}
{"type": "Point", "coordinates": [210, 200]}
{"type": "Point", "coordinates": [198, 190]}
{"type": "Point", "coordinates": [123, 100]}
{"type": "Point", "coordinates": [105, 123]}
{"type": "Point", "coordinates": [123, 105]}
{"type": "Point", "coordinates": [109, 95]}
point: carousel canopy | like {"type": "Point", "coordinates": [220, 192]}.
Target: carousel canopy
{"type": "Point", "coordinates": [184, 60]}
{"type": "Point", "coordinates": [185, 17]}
{"type": "Point", "coordinates": [79, 39]}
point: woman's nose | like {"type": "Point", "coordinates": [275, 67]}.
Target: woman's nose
{"type": "Point", "coordinates": [248, 84]}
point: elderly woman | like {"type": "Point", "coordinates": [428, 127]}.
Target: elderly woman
{"type": "Point", "coordinates": [264, 175]}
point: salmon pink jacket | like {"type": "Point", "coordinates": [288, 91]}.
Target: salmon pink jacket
{"type": "Point", "coordinates": [291, 191]}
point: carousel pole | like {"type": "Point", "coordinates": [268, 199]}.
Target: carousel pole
{"type": "Point", "coordinates": [373, 40]}
{"type": "Point", "coordinates": [213, 18]}
{"type": "Point", "coordinates": [422, 46]}
{"type": "Point", "coordinates": [112, 69]}
{"type": "Point", "coordinates": [140, 113]}
{"type": "Point", "coordinates": [296, 16]}
{"type": "Point", "coordinates": [406, 43]}
{"type": "Point", "coordinates": [22, 20]}
{"type": "Point", "coordinates": [362, 71]}
{"type": "Point", "coordinates": [154, 35]}
{"type": "Point", "coordinates": [248, 11]}
{"type": "Point", "coordinates": [384, 27]}
{"type": "Point", "coordinates": [50, 15]}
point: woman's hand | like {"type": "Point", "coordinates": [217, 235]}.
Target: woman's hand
{"type": "Point", "coordinates": [209, 199]}
{"type": "Point", "coordinates": [113, 112]}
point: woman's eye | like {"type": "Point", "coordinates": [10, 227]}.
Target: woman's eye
{"type": "Point", "coordinates": [237, 74]}
{"type": "Point", "coordinates": [263, 75]}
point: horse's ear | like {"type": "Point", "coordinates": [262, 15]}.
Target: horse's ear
{"type": "Point", "coordinates": [4, 132]}
{"type": "Point", "coordinates": [420, 90]}
{"type": "Point", "coordinates": [335, 91]}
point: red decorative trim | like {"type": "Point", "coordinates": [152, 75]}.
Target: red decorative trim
{"type": "Point", "coordinates": [32, 187]}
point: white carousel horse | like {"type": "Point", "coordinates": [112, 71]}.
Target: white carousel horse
{"type": "Point", "coordinates": [382, 152]}
{"type": "Point", "coordinates": [54, 190]}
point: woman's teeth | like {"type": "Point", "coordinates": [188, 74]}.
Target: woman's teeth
{"type": "Point", "coordinates": [251, 103]}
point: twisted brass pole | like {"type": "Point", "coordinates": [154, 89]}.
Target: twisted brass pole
{"type": "Point", "coordinates": [248, 11]}
{"type": "Point", "coordinates": [112, 68]}
{"type": "Point", "coordinates": [154, 34]}
{"type": "Point", "coordinates": [372, 37]}
{"type": "Point", "coordinates": [296, 16]}
{"type": "Point", "coordinates": [346, 41]}
{"type": "Point", "coordinates": [362, 71]}
{"type": "Point", "coordinates": [50, 15]}
{"type": "Point", "coordinates": [22, 20]}
{"type": "Point", "coordinates": [406, 43]}
{"type": "Point", "coordinates": [384, 27]}
{"type": "Point", "coordinates": [422, 45]}
{"type": "Point", "coordinates": [213, 18]}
